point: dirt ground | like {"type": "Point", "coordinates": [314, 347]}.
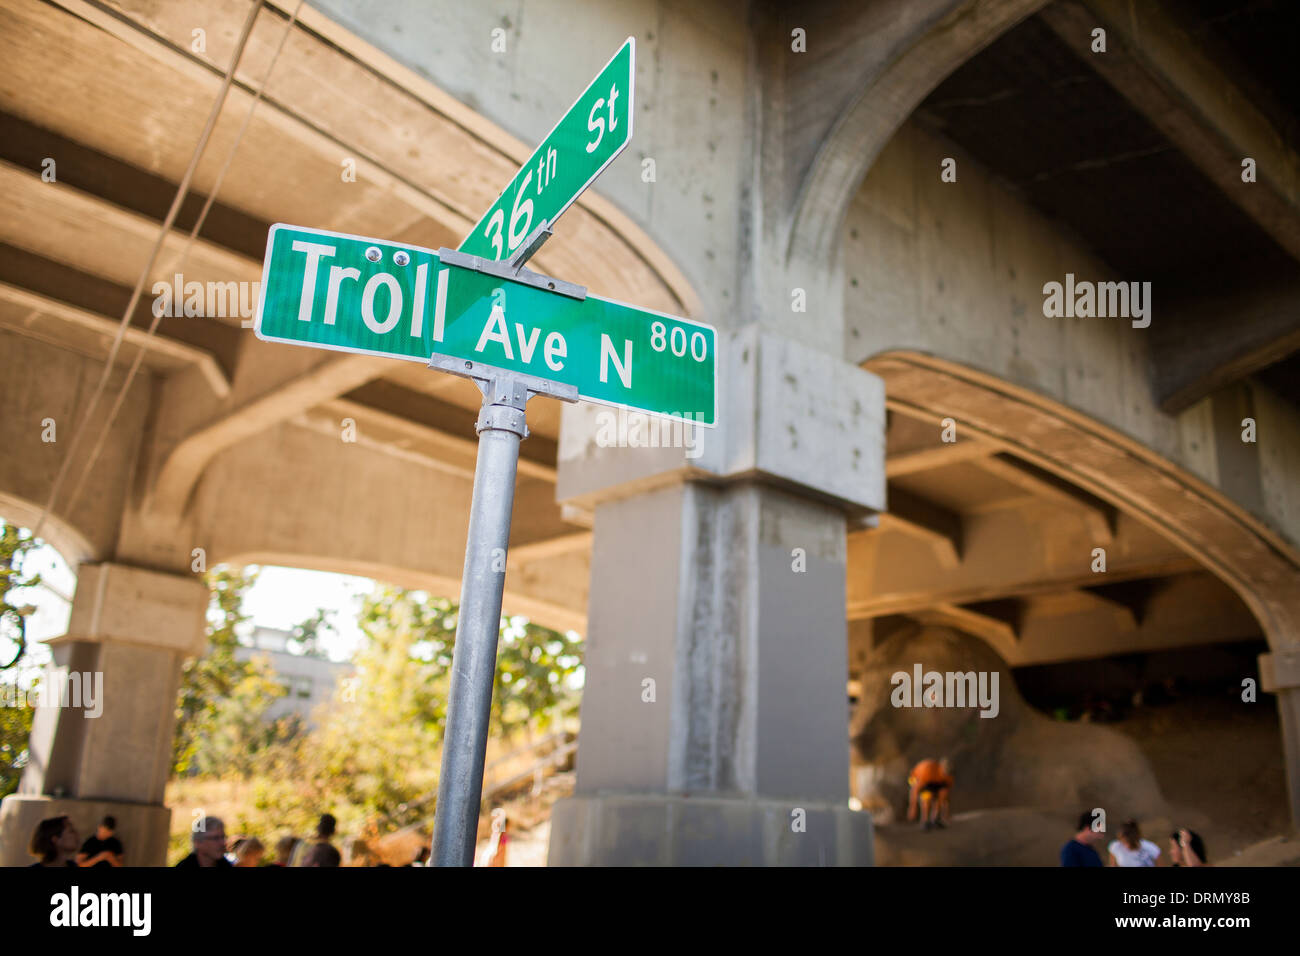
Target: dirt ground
{"type": "Point", "coordinates": [1218, 766]}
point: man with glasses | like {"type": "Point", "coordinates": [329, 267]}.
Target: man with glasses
{"type": "Point", "coordinates": [209, 840]}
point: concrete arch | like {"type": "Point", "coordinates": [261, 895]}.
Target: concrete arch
{"type": "Point", "coordinates": [864, 128]}
{"type": "Point", "coordinates": [71, 543]}
{"type": "Point", "coordinates": [1262, 567]}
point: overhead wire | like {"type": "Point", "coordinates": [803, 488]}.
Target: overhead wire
{"type": "Point", "coordinates": [182, 190]}
{"type": "Point", "coordinates": [184, 257]}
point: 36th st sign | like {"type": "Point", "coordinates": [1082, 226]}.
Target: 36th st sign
{"type": "Point", "coordinates": [354, 294]}
{"type": "Point", "coordinates": [591, 133]}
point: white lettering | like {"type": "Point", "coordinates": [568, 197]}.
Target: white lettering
{"type": "Point", "coordinates": [624, 368]}
{"type": "Point", "coordinates": [337, 275]}
{"type": "Point", "coordinates": [417, 304]}
{"type": "Point", "coordinates": [495, 331]}
{"type": "Point", "coordinates": [526, 347]}
{"type": "Point", "coordinates": [315, 252]}
{"type": "Point", "coordinates": [596, 124]}
{"type": "Point", "coordinates": [554, 349]}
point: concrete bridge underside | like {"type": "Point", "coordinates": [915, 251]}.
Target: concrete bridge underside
{"type": "Point", "coordinates": [935, 446]}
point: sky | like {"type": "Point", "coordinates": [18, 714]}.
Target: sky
{"type": "Point", "coordinates": [284, 597]}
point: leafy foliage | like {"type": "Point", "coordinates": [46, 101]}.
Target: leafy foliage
{"type": "Point", "coordinates": [306, 638]}
{"type": "Point", "coordinates": [15, 727]}
{"type": "Point", "coordinates": [16, 720]}
{"type": "Point", "coordinates": [375, 755]}
{"type": "Point", "coordinates": [15, 542]}
{"type": "Point", "coordinates": [222, 700]}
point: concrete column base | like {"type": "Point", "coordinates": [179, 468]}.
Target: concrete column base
{"type": "Point", "coordinates": [143, 828]}
{"type": "Point", "coordinates": [661, 830]}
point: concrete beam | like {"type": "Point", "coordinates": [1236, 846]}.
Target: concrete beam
{"type": "Point", "coordinates": [1000, 635]}
{"type": "Point", "coordinates": [185, 463]}
{"type": "Point", "coordinates": [549, 547]}
{"type": "Point", "coordinates": [384, 434]}
{"type": "Point", "coordinates": [1132, 598]}
{"type": "Point", "coordinates": [1188, 515]}
{"type": "Point", "coordinates": [445, 427]}
{"type": "Point", "coordinates": [939, 528]}
{"type": "Point", "coordinates": [1215, 341]}
{"type": "Point", "coordinates": [67, 326]}
{"type": "Point", "coordinates": [64, 224]}
{"type": "Point", "coordinates": [1157, 66]}
{"type": "Point", "coordinates": [929, 457]}
{"type": "Point", "coordinates": [1100, 517]}
{"type": "Point", "coordinates": [1011, 552]}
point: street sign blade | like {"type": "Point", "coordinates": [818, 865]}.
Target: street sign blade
{"type": "Point", "coordinates": [594, 130]}
{"type": "Point", "coordinates": [613, 353]}
{"type": "Point", "coordinates": [374, 297]}
{"type": "Point", "coordinates": [332, 290]}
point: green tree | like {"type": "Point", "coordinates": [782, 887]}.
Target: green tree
{"type": "Point", "coordinates": [15, 728]}
{"type": "Point", "coordinates": [15, 712]}
{"type": "Point", "coordinates": [375, 754]}
{"type": "Point", "coordinates": [222, 701]}
{"type": "Point", "coordinates": [15, 542]}
{"type": "Point", "coordinates": [306, 639]}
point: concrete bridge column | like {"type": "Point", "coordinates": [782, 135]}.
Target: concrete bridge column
{"type": "Point", "coordinates": [106, 747]}
{"type": "Point", "coordinates": [715, 711]}
{"type": "Point", "coordinates": [1280, 674]}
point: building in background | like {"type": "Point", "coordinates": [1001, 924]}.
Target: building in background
{"type": "Point", "coordinates": [309, 681]}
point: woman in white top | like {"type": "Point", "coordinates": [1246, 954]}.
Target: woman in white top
{"type": "Point", "coordinates": [1130, 849]}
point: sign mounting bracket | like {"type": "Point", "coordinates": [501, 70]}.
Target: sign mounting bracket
{"type": "Point", "coordinates": [513, 268]}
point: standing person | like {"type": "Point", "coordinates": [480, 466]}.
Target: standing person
{"type": "Point", "coordinates": [54, 842]}
{"type": "Point", "coordinates": [102, 848]}
{"type": "Point", "coordinates": [323, 852]}
{"type": "Point", "coordinates": [1186, 848]}
{"type": "Point", "coordinates": [929, 783]}
{"type": "Point", "coordinates": [209, 841]}
{"type": "Point", "coordinates": [1130, 849]}
{"type": "Point", "coordinates": [284, 848]}
{"type": "Point", "coordinates": [249, 852]}
{"type": "Point", "coordinates": [1078, 850]}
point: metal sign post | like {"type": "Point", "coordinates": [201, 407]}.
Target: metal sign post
{"type": "Point", "coordinates": [501, 426]}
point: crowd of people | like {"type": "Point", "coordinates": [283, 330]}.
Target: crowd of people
{"type": "Point", "coordinates": [55, 842]}
{"type": "Point", "coordinates": [1129, 848]}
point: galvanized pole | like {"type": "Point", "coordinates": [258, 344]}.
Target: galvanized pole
{"type": "Point", "coordinates": [501, 427]}
{"type": "Point", "coordinates": [460, 784]}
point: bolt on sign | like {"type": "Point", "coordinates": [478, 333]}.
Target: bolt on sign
{"type": "Point", "coordinates": [371, 296]}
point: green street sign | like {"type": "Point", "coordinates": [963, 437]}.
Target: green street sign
{"type": "Point", "coordinates": [595, 129]}
{"type": "Point", "coordinates": [353, 294]}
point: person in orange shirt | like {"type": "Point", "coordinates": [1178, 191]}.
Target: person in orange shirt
{"type": "Point", "coordinates": [929, 783]}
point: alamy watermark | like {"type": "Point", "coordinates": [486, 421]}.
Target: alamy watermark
{"type": "Point", "coordinates": [210, 300]}
{"type": "Point", "coordinates": [1085, 299]}
{"type": "Point", "coordinates": [59, 688]}
{"type": "Point", "coordinates": [924, 688]}
{"type": "Point", "coordinates": [621, 428]}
